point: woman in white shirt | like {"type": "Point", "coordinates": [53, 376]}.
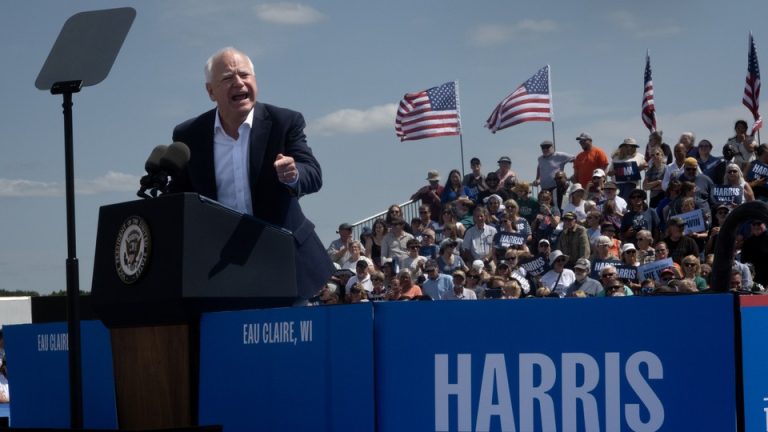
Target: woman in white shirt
{"type": "Point", "coordinates": [576, 202]}
{"type": "Point", "coordinates": [558, 278]}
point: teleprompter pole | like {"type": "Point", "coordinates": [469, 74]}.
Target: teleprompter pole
{"type": "Point", "coordinates": [66, 88]}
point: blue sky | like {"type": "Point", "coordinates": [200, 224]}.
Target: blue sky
{"type": "Point", "coordinates": [346, 65]}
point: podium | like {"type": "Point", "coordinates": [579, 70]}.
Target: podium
{"type": "Point", "coordinates": [159, 264]}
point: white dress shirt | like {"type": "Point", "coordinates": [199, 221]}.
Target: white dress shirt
{"type": "Point", "coordinates": [230, 158]}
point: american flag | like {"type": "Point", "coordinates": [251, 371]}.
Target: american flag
{"type": "Point", "coordinates": [649, 109]}
{"type": "Point", "coordinates": [531, 101]}
{"type": "Point", "coordinates": [429, 113]}
{"type": "Point", "coordinates": [752, 88]}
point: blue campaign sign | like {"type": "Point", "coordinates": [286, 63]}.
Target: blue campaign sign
{"type": "Point", "coordinates": [556, 364]}
{"type": "Point", "coordinates": [38, 375]}
{"type": "Point", "coordinates": [626, 171]}
{"type": "Point", "coordinates": [289, 369]}
{"type": "Point", "coordinates": [757, 170]}
{"type": "Point", "coordinates": [754, 327]}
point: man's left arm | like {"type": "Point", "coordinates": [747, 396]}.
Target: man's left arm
{"type": "Point", "coordinates": [297, 167]}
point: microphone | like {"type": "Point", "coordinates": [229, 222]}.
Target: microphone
{"type": "Point", "coordinates": [163, 161]}
{"type": "Point", "coordinates": [152, 165]}
{"type": "Point", "coordinates": [155, 179]}
{"type": "Point", "coordinates": [175, 158]}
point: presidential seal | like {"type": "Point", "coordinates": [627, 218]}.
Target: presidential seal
{"type": "Point", "coordinates": [132, 249]}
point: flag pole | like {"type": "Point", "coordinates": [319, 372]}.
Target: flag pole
{"type": "Point", "coordinates": [461, 135]}
{"type": "Point", "coordinates": [551, 106]}
{"type": "Point", "coordinates": [553, 135]}
{"type": "Point", "coordinates": [461, 144]}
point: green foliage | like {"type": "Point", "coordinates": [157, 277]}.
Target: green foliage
{"type": "Point", "coordinates": [63, 293]}
{"type": "Point", "coordinates": [18, 293]}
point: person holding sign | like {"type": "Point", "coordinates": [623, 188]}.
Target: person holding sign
{"type": "Point", "coordinates": [626, 167]}
{"type": "Point", "coordinates": [629, 259]}
{"type": "Point", "coordinates": [639, 218]}
{"type": "Point", "coordinates": [707, 162]}
{"type": "Point", "coordinates": [757, 174]}
{"type": "Point", "coordinates": [695, 222]}
{"type": "Point", "coordinates": [679, 245]}
{"type": "Point", "coordinates": [734, 190]}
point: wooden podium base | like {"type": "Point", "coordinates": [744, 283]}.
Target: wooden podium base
{"type": "Point", "coordinates": [155, 376]}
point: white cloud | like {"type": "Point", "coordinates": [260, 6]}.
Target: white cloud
{"type": "Point", "coordinates": [494, 34]}
{"type": "Point", "coordinates": [21, 187]}
{"type": "Point", "coordinates": [536, 25]}
{"type": "Point", "coordinates": [642, 29]}
{"type": "Point", "coordinates": [351, 121]}
{"type": "Point", "coordinates": [288, 13]}
{"type": "Point", "coordinates": [110, 182]}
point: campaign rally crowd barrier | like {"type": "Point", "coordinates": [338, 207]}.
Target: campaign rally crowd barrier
{"type": "Point", "coordinates": [609, 364]}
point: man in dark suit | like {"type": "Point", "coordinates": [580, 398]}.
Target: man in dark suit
{"type": "Point", "coordinates": [254, 158]}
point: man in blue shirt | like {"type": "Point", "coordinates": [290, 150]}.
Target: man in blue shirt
{"type": "Point", "coordinates": [437, 285]}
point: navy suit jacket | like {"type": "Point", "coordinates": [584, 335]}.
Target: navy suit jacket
{"type": "Point", "coordinates": [274, 130]}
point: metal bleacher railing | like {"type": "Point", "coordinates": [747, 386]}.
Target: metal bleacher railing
{"type": "Point", "coordinates": [410, 210]}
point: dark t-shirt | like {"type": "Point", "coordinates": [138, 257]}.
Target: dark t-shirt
{"type": "Point", "coordinates": [681, 248]}
{"type": "Point", "coordinates": [646, 219]}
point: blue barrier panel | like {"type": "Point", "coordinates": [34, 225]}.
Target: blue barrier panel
{"type": "Point", "coordinates": [607, 364]}
{"type": "Point", "coordinates": [754, 328]}
{"type": "Point", "coordinates": [299, 369]}
{"type": "Point", "coordinates": [38, 375]}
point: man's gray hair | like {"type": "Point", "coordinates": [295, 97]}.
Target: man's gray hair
{"type": "Point", "coordinates": [219, 53]}
{"type": "Point", "coordinates": [607, 268]}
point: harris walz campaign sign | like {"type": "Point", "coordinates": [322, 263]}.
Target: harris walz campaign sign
{"type": "Point", "coordinates": [556, 365]}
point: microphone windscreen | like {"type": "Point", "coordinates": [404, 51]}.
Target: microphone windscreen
{"type": "Point", "coordinates": [152, 164]}
{"type": "Point", "coordinates": [175, 158]}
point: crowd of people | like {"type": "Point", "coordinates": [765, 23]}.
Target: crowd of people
{"type": "Point", "coordinates": [622, 223]}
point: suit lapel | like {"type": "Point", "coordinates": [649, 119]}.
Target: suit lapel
{"type": "Point", "coordinates": [205, 170]}
{"type": "Point", "coordinates": [259, 138]}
